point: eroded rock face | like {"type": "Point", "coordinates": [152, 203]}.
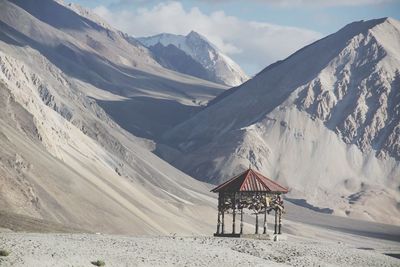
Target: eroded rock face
{"type": "Point", "coordinates": [16, 190]}
{"type": "Point", "coordinates": [358, 98]}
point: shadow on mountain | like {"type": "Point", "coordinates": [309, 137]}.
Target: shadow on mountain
{"type": "Point", "coordinates": [303, 203]}
{"type": "Point", "coordinates": [148, 117]}
{"type": "Point", "coordinates": [123, 81]}
{"type": "Point", "coordinates": [173, 58]}
{"type": "Point", "coordinates": [102, 73]}
{"type": "Point", "coordinates": [65, 18]}
{"type": "Point", "coordinates": [301, 214]}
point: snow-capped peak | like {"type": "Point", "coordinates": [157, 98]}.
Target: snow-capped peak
{"type": "Point", "coordinates": [195, 36]}
{"type": "Point", "coordinates": [221, 68]}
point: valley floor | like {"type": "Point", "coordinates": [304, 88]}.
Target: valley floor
{"type": "Point", "coordinates": [33, 249]}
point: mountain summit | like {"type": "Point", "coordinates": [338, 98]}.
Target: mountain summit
{"type": "Point", "coordinates": [220, 67]}
{"type": "Point", "coordinates": [325, 121]}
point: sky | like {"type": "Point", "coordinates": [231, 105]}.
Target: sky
{"type": "Point", "coordinates": [254, 33]}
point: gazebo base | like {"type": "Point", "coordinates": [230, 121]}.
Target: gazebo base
{"type": "Point", "coordinates": [253, 236]}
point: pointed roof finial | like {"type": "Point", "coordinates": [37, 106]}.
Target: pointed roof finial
{"type": "Point", "coordinates": [249, 166]}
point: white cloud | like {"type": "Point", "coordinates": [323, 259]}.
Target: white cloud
{"type": "Point", "coordinates": [254, 45]}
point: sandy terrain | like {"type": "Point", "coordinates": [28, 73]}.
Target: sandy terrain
{"type": "Point", "coordinates": [312, 239]}
{"type": "Point", "coordinates": [12, 222]}
{"type": "Point", "coordinates": [81, 249]}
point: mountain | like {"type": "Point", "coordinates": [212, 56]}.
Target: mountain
{"type": "Point", "coordinates": [325, 122]}
{"type": "Point", "coordinates": [220, 67]}
{"type": "Point", "coordinates": [173, 58]}
{"type": "Point", "coordinates": [63, 158]}
{"type": "Point", "coordinates": [124, 74]}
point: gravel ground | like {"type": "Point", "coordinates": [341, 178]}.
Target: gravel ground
{"type": "Point", "coordinates": [80, 249]}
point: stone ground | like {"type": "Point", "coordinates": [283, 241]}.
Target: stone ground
{"type": "Point", "coordinates": [34, 249]}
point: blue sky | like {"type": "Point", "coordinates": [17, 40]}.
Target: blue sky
{"type": "Point", "coordinates": [255, 33]}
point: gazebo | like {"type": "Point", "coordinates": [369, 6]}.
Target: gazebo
{"type": "Point", "coordinates": [252, 191]}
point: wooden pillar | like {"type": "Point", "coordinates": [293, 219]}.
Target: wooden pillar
{"type": "Point", "coordinates": [234, 213]}
{"type": "Point", "coordinates": [280, 221]}
{"type": "Point", "coordinates": [219, 222]}
{"type": "Point", "coordinates": [219, 215]}
{"type": "Point", "coordinates": [223, 223]}
{"type": "Point", "coordinates": [276, 218]}
{"type": "Point", "coordinates": [241, 221]}
{"type": "Point", "coordinates": [256, 222]}
{"type": "Point", "coordinates": [265, 221]}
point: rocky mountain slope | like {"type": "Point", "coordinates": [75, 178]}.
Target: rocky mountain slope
{"type": "Point", "coordinates": [325, 122]}
{"type": "Point", "coordinates": [220, 67]}
{"type": "Point", "coordinates": [123, 73]}
{"type": "Point", "coordinates": [62, 158]}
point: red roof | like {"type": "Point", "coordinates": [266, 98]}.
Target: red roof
{"type": "Point", "coordinates": [250, 181]}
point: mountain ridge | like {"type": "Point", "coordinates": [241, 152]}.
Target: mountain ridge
{"type": "Point", "coordinates": [220, 68]}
